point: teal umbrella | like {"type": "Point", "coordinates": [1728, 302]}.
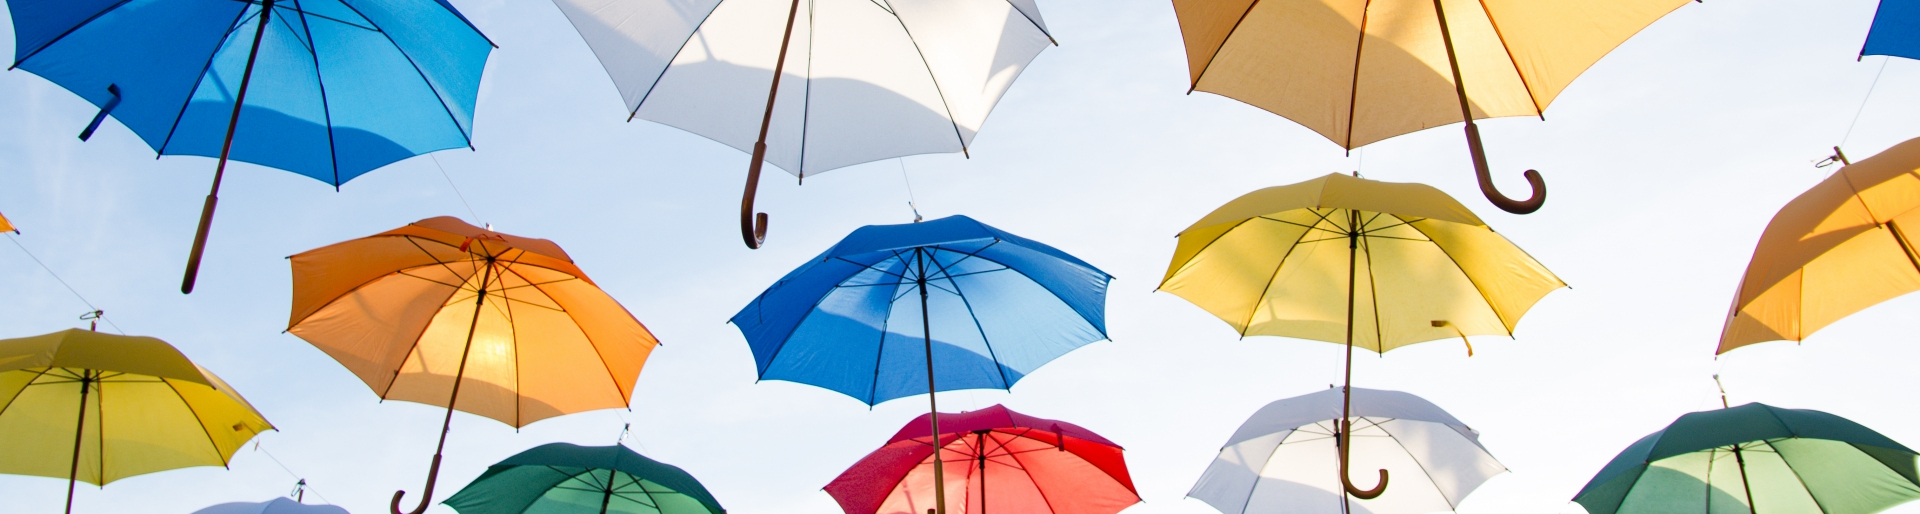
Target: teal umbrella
{"type": "Point", "coordinates": [1746, 459]}
{"type": "Point", "coordinates": [562, 478]}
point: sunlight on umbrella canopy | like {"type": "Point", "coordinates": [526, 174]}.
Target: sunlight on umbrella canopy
{"type": "Point", "coordinates": [863, 80]}
{"type": "Point", "coordinates": [1274, 262]}
{"type": "Point", "coordinates": [1843, 246]}
{"type": "Point", "coordinates": [149, 408]}
{"type": "Point", "coordinates": [1307, 60]}
{"type": "Point", "coordinates": [396, 308]}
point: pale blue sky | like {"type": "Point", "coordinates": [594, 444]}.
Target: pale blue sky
{"type": "Point", "coordinates": [1665, 161]}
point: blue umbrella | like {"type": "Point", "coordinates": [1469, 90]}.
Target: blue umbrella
{"type": "Point", "coordinates": [1896, 30]}
{"type": "Point", "coordinates": [346, 86]}
{"type": "Point", "coordinates": [859, 319]}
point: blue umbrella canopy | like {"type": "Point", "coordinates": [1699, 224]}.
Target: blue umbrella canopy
{"type": "Point", "coordinates": [345, 86]}
{"type": "Point", "coordinates": [998, 306]}
{"type": "Point", "coordinates": [340, 87]}
{"type": "Point", "coordinates": [1895, 31]}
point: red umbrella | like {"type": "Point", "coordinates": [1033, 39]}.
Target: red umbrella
{"type": "Point", "coordinates": [1013, 463]}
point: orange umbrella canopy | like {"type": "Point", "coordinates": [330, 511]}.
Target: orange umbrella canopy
{"type": "Point", "coordinates": [527, 335]}
{"type": "Point", "coordinates": [1845, 245]}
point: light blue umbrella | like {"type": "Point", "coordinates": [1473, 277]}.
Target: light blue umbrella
{"type": "Point", "coordinates": [861, 317]}
{"type": "Point", "coordinates": [330, 89]}
{"type": "Point", "coordinates": [277, 506]}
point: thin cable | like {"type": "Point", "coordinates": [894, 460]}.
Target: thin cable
{"type": "Point", "coordinates": [1863, 101]}
{"type": "Point", "coordinates": [912, 202]}
{"type": "Point", "coordinates": [296, 476]}
{"type": "Point", "coordinates": [63, 283]}
{"type": "Point", "coordinates": [456, 189]}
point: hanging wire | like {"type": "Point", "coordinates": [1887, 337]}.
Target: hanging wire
{"type": "Point", "coordinates": [903, 178]}
{"type": "Point", "coordinates": [456, 190]}
{"type": "Point", "coordinates": [1863, 101]}
{"type": "Point", "coordinates": [97, 313]}
{"type": "Point", "coordinates": [296, 476]}
{"type": "Point", "coordinates": [626, 432]}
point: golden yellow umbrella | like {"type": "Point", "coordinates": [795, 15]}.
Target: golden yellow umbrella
{"type": "Point", "coordinates": [1359, 71]}
{"type": "Point", "coordinates": [1377, 265]}
{"type": "Point", "coordinates": [95, 408]}
{"type": "Point", "coordinates": [6, 226]}
{"type": "Point", "coordinates": [1845, 245]}
{"type": "Point", "coordinates": [448, 314]}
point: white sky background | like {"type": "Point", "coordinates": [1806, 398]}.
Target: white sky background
{"type": "Point", "coordinates": [1665, 162]}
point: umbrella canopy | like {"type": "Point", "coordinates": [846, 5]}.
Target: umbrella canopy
{"type": "Point", "coordinates": [347, 85]}
{"type": "Point", "coordinates": [276, 506]}
{"type": "Point", "coordinates": [1842, 246]}
{"type": "Point", "coordinates": [448, 314]}
{"type": "Point", "coordinates": [561, 478]}
{"type": "Point", "coordinates": [1274, 262]}
{"type": "Point", "coordinates": [95, 408]}
{"type": "Point", "coordinates": [1359, 71]}
{"type": "Point", "coordinates": [864, 80]}
{"type": "Point", "coordinates": [1752, 458]}
{"type": "Point", "coordinates": [850, 319]}
{"type": "Point", "coordinates": [1892, 32]}
{"type": "Point", "coordinates": [7, 226]}
{"type": "Point", "coordinates": [1014, 463]}
{"type": "Point", "coordinates": [1376, 265]}
{"type": "Point", "coordinates": [1280, 458]}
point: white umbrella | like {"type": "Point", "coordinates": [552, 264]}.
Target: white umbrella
{"type": "Point", "coordinates": [277, 506]}
{"type": "Point", "coordinates": [864, 80]}
{"type": "Point", "coordinates": [1283, 460]}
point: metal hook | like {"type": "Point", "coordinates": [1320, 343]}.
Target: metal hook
{"type": "Point", "coordinates": [93, 319]}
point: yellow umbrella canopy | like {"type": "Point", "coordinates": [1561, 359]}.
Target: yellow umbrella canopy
{"type": "Point", "coordinates": [1845, 245]}
{"type": "Point", "coordinates": [95, 408]}
{"type": "Point", "coordinates": [444, 313]}
{"type": "Point", "coordinates": [1371, 264]}
{"type": "Point", "coordinates": [1359, 71]}
{"type": "Point", "coordinates": [1274, 262]}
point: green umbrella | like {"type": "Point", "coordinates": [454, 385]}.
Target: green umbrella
{"type": "Point", "coordinates": [1746, 459]}
{"type": "Point", "coordinates": [562, 478]}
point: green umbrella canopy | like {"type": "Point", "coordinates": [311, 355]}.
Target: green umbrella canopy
{"type": "Point", "coordinates": [561, 478]}
{"type": "Point", "coordinates": [1753, 458]}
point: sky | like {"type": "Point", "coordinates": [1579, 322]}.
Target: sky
{"type": "Point", "coordinates": [1665, 162]}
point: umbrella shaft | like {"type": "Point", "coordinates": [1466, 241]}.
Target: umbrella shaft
{"type": "Point", "coordinates": [226, 148]}
{"type": "Point", "coordinates": [933, 407]}
{"type": "Point", "coordinates": [79, 435]}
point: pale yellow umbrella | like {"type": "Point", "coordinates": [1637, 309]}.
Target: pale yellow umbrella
{"type": "Point", "coordinates": [95, 408]}
{"type": "Point", "coordinates": [1845, 245]}
{"type": "Point", "coordinates": [1375, 265]}
{"type": "Point", "coordinates": [444, 313]}
{"type": "Point", "coordinates": [1359, 71]}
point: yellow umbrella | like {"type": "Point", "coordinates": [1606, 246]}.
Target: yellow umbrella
{"type": "Point", "coordinates": [1359, 71]}
{"type": "Point", "coordinates": [95, 408]}
{"type": "Point", "coordinates": [1845, 245]}
{"type": "Point", "coordinates": [448, 314]}
{"type": "Point", "coordinates": [1377, 265]}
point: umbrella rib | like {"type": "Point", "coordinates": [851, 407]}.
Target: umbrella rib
{"type": "Point", "coordinates": [1203, 249]}
{"type": "Point", "coordinates": [789, 337]}
{"type": "Point", "coordinates": [676, 56]}
{"type": "Point", "coordinates": [405, 273]}
{"type": "Point", "coordinates": [873, 386]}
{"type": "Point", "coordinates": [71, 30]}
{"type": "Point", "coordinates": [307, 44]}
{"type": "Point", "coordinates": [1223, 44]}
{"type": "Point", "coordinates": [1004, 382]}
{"type": "Point", "coordinates": [326, 108]}
{"type": "Point", "coordinates": [437, 96]}
{"type": "Point", "coordinates": [625, 394]}
{"type": "Point", "coordinates": [1034, 22]}
{"type": "Point", "coordinates": [1353, 90]}
{"type": "Point", "coordinates": [806, 104]}
{"type": "Point", "coordinates": [1248, 324]}
{"type": "Point", "coordinates": [1423, 469]}
{"type": "Point", "coordinates": [224, 460]}
{"type": "Point", "coordinates": [1373, 293]}
{"type": "Point", "coordinates": [238, 20]}
{"type": "Point", "coordinates": [16, 393]}
{"type": "Point", "coordinates": [1796, 476]}
{"type": "Point", "coordinates": [1476, 283]}
{"type": "Point", "coordinates": [936, 81]}
{"type": "Point", "coordinates": [1537, 108]}
{"type": "Point", "coordinates": [415, 345]}
{"type": "Point", "coordinates": [1036, 483]}
{"type": "Point", "coordinates": [1049, 290]}
{"type": "Point", "coordinates": [1315, 226]}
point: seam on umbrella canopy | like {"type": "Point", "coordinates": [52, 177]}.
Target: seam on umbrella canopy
{"type": "Point", "coordinates": [224, 460]}
{"type": "Point", "coordinates": [1477, 288]}
{"type": "Point", "coordinates": [1343, 192]}
{"type": "Point", "coordinates": [1277, 266]}
{"type": "Point", "coordinates": [239, 19]}
{"type": "Point", "coordinates": [57, 350]}
{"type": "Point", "coordinates": [437, 96]}
{"type": "Point", "coordinates": [1796, 477]}
{"type": "Point", "coordinates": [326, 107]}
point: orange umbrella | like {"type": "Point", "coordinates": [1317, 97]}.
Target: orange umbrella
{"type": "Point", "coordinates": [427, 311]}
{"type": "Point", "coordinates": [1845, 245]}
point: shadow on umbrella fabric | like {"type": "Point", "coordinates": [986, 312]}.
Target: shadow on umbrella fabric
{"type": "Point", "coordinates": [277, 140]}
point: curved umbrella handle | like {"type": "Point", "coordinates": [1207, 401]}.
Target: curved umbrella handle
{"type": "Point", "coordinates": [753, 226]}
{"type": "Point", "coordinates": [1346, 433]}
{"type": "Point", "coordinates": [1481, 171]}
{"type": "Point", "coordinates": [433, 474]}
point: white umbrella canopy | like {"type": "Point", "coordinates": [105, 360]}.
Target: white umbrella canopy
{"type": "Point", "coordinates": [1283, 459]}
{"type": "Point", "coordinates": [864, 80]}
{"type": "Point", "coordinates": [276, 506]}
{"type": "Point", "coordinates": [858, 80]}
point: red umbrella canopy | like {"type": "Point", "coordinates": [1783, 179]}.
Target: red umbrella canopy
{"type": "Point", "coordinates": [997, 461]}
